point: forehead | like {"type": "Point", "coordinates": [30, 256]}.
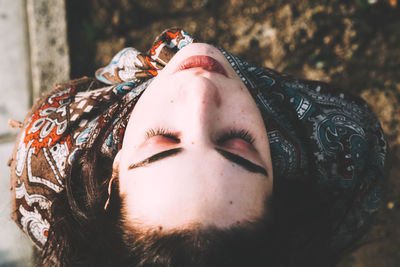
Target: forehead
{"type": "Point", "coordinates": [184, 190]}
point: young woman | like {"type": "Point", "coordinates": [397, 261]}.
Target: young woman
{"type": "Point", "coordinates": [190, 156]}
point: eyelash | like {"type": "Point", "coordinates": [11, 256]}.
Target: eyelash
{"type": "Point", "coordinates": [233, 133]}
{"type": "Point", "coordinates": [161, 131]}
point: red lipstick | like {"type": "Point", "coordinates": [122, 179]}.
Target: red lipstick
{"type": "Point", "coordinates": [205, 62]}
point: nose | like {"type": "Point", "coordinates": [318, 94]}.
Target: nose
{"type": "Point", "coordinates": [202, 104]}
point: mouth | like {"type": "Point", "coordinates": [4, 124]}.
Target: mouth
{"type": "Point", "coordinates": [205, 62]}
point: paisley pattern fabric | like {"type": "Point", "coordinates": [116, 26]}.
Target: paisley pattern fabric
{"type": "Point", "coordinates": [315, 131]}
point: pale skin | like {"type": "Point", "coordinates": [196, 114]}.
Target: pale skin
{"type": "Point", "coordinates": [197, 185]}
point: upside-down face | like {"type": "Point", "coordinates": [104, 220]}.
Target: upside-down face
{"type": "Point", "coordinates": [195, 151]}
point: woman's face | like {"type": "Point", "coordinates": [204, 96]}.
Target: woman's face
{"type": "Point", "coordinates": [195, 151]}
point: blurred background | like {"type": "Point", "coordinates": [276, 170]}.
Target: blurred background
{"type": "Point", "coordinates": [354, 45]}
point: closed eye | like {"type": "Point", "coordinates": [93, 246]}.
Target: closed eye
{"type": "Point", "coordinates": [226, 136]}
{"type": "Point", "coordinates": [224, 140]}
{"type": "Point", "coordinates": [234, 133]}
{"type": "Point", "coordinates": [162, 132]}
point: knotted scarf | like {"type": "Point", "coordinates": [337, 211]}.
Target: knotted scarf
{"type": "Point", "coordinates": [315, 132]}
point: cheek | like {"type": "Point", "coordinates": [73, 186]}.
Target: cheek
{"type": "Point", "coordinates": [154, 97]}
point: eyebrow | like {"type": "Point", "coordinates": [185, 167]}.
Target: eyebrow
{"type": "Point", "coordinates": [242, 162]}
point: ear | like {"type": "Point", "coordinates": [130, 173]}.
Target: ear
{"type": "Point", "coordinates": [116, 164]}
{"type": "Point", "coordinates": [113, 179]}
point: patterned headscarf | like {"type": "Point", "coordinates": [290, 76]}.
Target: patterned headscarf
{"type": "Point", "coordinates": [314, 131]}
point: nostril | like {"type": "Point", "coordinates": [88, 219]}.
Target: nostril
{"type": "Point", "coordinates": [217, 99]}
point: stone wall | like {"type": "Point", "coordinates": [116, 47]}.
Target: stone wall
{"type": "Point", "coordinates": [34, 55]}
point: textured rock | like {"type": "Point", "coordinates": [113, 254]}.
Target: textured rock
{"type": "Point", "coordinates": [48, 44]}
{"type": "Point", "coordinates": [15, 248]}
{"type": "Point", "coordinates": [33, 58]}
{"type": "Point", "coordinates": [14, 71]}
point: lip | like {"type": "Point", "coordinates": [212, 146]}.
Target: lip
{"type": "Point", "coordinates": [205, 62]}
